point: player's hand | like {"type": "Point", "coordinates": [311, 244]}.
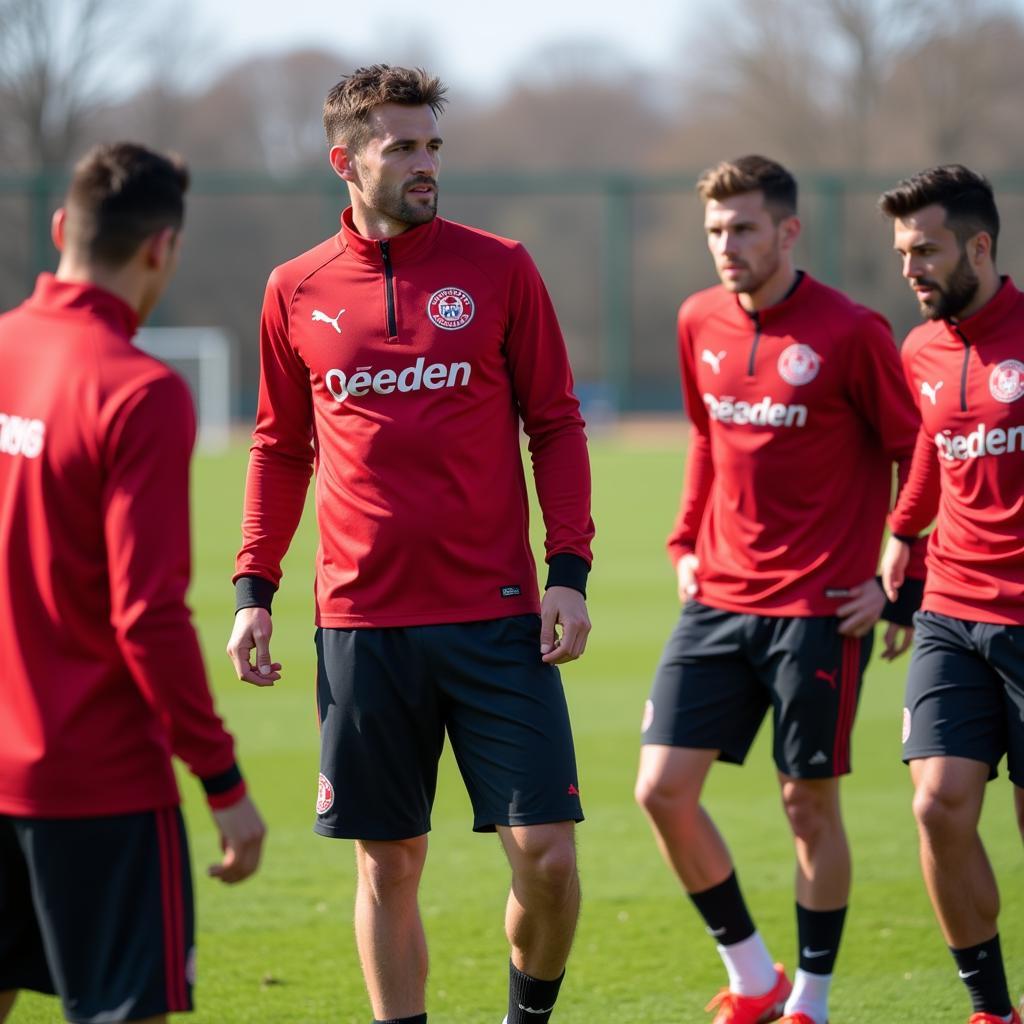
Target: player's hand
{"type": "Point", "coordinates": [861, 611]}
{"type": "Point", "coordinates": [566, 609]}
{"type": "Point", "coordinates": [252, 630]}
{"type": "Point", "coordinates": [897, 641]}
{"type": "Point", "coordinates": [686, 576]}
{"type": "Point", "coordinates": [894, 566]}
{"type": "Point", "coordinates": [241, 838]}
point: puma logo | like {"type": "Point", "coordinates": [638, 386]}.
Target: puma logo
{"type": "Point", "coordinates": [323, 318]}
{"type": "Point", "coordinates": [930, 391]}
{"type": "Point", "coordinates": [827, 677]}
{"type": "Point", "coordinates": [714, 361]}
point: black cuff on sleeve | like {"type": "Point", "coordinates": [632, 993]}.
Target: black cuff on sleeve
{"type": "Point", "coordinates": [908, 600]}
{"type": "Point", "coordinates": [253, 592]}
{"type": "Point", "coordinates": [566, 570]}
{"type": "Point", "coordinates": [215, 784]}
{"type": "Point", "coordinates": [905, 538]}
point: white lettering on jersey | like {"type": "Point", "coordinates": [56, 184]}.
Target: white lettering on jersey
{"type": "Point", "coordinates": [323, 318]}
{"type": "Point", "coordinates": [714, 361]}
{"type": "Point", "coordinates": [384, 382]}
{"type": "Point", "coordinates": [19, 436]}
{"type": "Point", "coordinates": [930, 391]}
{"type": "Point", "coordinates": [766, 413]}
{"type": "Point", "coordinates": [979, 443]}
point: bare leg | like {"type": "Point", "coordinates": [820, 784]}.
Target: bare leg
{"type": "Point", "coordinates": [1018, 802]}
{"type": "Point", "coordinates": [540, 918]}
{"type": "Point", "coordinates": [7, 1003]}
{"type": "Point", "coordinates": [389, 931]}
{"type": "Point", "coordinates": [822, 851]}
{"type": "Point", "coordinates": [668, 788]}
{"type": "Point", "coordinates": [948, 794]}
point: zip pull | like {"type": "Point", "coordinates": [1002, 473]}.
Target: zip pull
{"type": "Point", "coordinates": [389, 291]}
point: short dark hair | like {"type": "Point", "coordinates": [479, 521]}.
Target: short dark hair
{"type": "Point", "coordinates": [121, 194]}
{"type": "Point", "coordinates": [348, 104]}
{"type": "Point", "coordinates": [965, 195]}
{"type": "Point", "coordinates": [751, 173]}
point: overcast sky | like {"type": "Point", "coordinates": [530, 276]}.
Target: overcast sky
{"type": "Point", "coordinates": [469, 42]}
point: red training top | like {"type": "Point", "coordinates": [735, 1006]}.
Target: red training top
{"type": "Point", "coordinates": [401, 369]}
{"type": "Point", "coordinates": [798, 413]}
{"type": "Point", "coordinates": [101, 677]}
{"type": "Point", "coordinates": [968, 380]}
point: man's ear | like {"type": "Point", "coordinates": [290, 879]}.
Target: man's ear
{"type": "Point", "coordinates": [979, 248]}
{"type": "Point", "coordinates": [342, 163]}
{"type": "Point", "coordinates": [57, 223]}
{"type": "Point", "coordinates": [159, 248]}
{"type": "Point", "coordinates": [789, 230]}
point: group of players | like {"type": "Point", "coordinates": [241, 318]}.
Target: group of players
{"type": "Point", "coordinates": [400, 358]}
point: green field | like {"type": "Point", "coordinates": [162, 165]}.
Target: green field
{"type": "Point", "coordinates": [279, 949]}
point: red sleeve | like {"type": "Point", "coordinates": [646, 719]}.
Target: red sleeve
{"type": "Point", "coordinates": [700, 470]}
{"type": "Point", "coordinates": [281, 456]}
{"type": "Point", "coordinates": [880, 390]}
{"type": "Point", "coordinates": [542, 383]}
{"type": "Point", "coordinates": [149, 442]}
{"type": "Point", "coordinates": [918, 502]}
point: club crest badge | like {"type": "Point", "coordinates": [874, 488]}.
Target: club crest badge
{"type": "Point", "coordinates": [799, 364]}
{"type": "Point", "coordinates": [1006, 381]}
{"type": "Point", "coordinates": [450, 308]}
{"type": "Point", "coordinates": [324, 795]}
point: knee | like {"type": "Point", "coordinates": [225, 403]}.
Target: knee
{"type": "Point", "coordinates": [940, 810]}
{"type": "Point", "coordinates": [547, 865]}
{"type": "Point", "coordinates": [810, 809]}
{"type": "Point", "coordinates": [664, 798]}
{"type": "Point", "coordinates": [390, 867]}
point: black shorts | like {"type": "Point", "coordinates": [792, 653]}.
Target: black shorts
{"type": "Point", "coordinates": [385, 698]}
{"type": "Point", "coordinates": [965, 693]}
{"type": "Point", "coordinates": [721, 671]}
{"type": "Point", "coordinates": [98, 911]}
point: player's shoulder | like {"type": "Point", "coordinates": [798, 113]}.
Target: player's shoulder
{"type": "Point", "coordinates": [480, 246]}
{"type": "Point", "coordinates": [919, 337]}
{"type": "Point", "coordinates": [823, 299]}
{"type": "Point", "coordinates": [286, 277]}
{"type": "Point", "coordinates": [706, 303]}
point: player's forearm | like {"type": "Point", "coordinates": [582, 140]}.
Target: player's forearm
{"type": "Point", "coordinates": [918, 500]}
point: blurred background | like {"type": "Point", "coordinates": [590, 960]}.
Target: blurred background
{"type": "Point", "coordinates": [577, 128]}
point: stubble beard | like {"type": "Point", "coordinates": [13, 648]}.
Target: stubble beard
{"type": "Point", "coordinates": [955, 296]}
{"type": "Point", "coordinates": [394, 204]}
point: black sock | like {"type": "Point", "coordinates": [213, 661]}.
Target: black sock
{"type": "Point", "coordinates": [420, 1018]}
{"type": "Point", "coordinates": [819, 932]}
{"type": "Point", "coordinates": [724, 911]}
{"type": "Point", "coordinates": [530, 1000]}
{"type": "Point", "coordinates": [981, 970]}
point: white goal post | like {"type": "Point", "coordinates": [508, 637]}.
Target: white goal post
{"type": "Point", "coordinates": [202, 355]}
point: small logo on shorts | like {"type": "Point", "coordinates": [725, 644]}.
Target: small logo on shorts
{"type": "Point", "coordinates": [819, 758]}
{"type": "Point", "coordinates": [906, 724]}
{"type": "Point", "coordinates": [573, 791]}
{"type": "Point", "coordinates": [324, 795]}
{"type": "Point", "coordinates": [827, 677]}
{"type": "Point", "coordinates": [190, 966]}
{"type": "Point", "coordinates": [512, 591]}
{"type": "Point", "coordinates": [648, 718]}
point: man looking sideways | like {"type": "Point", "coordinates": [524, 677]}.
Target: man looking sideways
{"type": "Point", "coordinates": [964, 705]}
{"type": "Point", "coordinates": [798, 413]}
{"type": "Point", "coordinates": [400, 356]}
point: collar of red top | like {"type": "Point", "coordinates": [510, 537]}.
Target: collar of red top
{"type": "Point", "coordinates": [780, 307]}
{"type": "Point", "coordinates": [404, 247]}
{"type": "Point", "coordinates": [978, 326]}
{"type": "Point", "coordinates": [52, 295]}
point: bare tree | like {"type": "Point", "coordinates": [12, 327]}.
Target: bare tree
{"type": "Point", "coordinates": [58, 59]}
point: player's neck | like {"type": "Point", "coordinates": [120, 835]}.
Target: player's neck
{"type": "Point", "coordinates": [375, 225]}
{"type": "Point", "coordinates": [989, 283]}
{"type": "Point", "coordinates": [124, 282]}
{"type": "Point", "coordinates": [772, 291]}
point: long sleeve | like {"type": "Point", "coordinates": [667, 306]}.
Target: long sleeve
{"type": "Point", "coordinates": [281, 457]}
{"type": "Point", "coordinates": [146, 527]}
{"type": "Point", "coordinates": [542, 383]}
{"type": "Point", "coordinates": [700, 469]}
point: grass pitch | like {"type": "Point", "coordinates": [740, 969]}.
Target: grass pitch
{"type": "Point", "coordinates": [279, 949]}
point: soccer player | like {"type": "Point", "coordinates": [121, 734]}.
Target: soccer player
{"type": "Point", "coordinates": [965, 688]}
{"type": "Point", "coordinates": [101, 677]}
{"type": "Point", "coordinates": [399, 357]}
{"type": "Point", "coordinates": [798, 412]}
